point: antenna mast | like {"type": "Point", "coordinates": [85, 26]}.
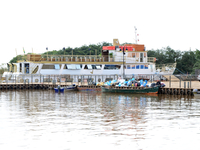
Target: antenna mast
{"type": "Point", "coordinates": [136, 35]}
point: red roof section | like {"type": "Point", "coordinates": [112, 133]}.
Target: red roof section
{"type": "Point", "coordinates": [130, 48]}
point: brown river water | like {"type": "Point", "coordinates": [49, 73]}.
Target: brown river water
{"type": "Point", "coordinates": [95, 121]}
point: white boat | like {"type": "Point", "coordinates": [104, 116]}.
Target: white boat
{"type": "Point", "coordinates": [70, 87]}
{"type": "Point", "coordinates": [196, 93]}
{"type": "Point", "coordinates": [127, 60]}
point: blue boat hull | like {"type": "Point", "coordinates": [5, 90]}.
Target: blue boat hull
{"type": "Point", "coordinates": [59, 90]}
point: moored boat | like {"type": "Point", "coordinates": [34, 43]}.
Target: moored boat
{"type": "Point", "coordinates": [72, 87]}
{"type": "Point", "coordinates": [89, 88]}
{"type": "Point", "coordinates": [196, 93]}
{"type": "Point", "coordinates": [124, 60]}
{"type": "Point", "coordinates": [59, 90]}
{"type": "Point", "coordinates": [130, 90]}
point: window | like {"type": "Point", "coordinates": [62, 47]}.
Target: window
{"type": "Point", "coordinates": [69, 67]}
{"type": "Point", "coordinates": [48, 67]}
{"type": "Point", "coordinates": [133, 66]}
{"type": "Point", "coordinates": [112, 67]}
{"type": "Point", "coordinates": [98, 67]}
{"type": "Point", "coordinates": [141, 57]}
{"type": "Point", "coordinates": [137, 67]}
{"type": "Point", "coordinates": [94, 67]}
{"type": "Point", "coordinates": [85, 67]}
{"type": "Point", "coordinates": [142, 67]}
{"type": "Point", "coordinates": [128, 67]}
{"type": "Point", "coordinates": [78, 67]}
{"type": "Point", "coordinates": [57, 66]}
{"type": "Point", "coordinates": [73, 67]}
{"type": "Point", "coordinates": [146, 66]}
{"type": "Point", "coordinates": [89, 66]}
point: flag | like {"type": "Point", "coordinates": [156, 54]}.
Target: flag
{"type": "Point", "coordinates": [23, 50]}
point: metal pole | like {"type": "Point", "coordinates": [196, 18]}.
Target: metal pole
{"type": "Point", "coordinates": [47, 53]}
{"type": "Point", "coordinates": [81, 80]}
{"type": "Point", "coordinates": [123, 62]}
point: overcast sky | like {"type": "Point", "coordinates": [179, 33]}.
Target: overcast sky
{"type": "Point", "coordinates": [56, 24]}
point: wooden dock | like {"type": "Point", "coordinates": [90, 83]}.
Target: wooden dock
{"type": "Point", "coordinates": [48, 86]}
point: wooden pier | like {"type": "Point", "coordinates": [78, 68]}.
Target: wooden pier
{"type": "Point", "coordinates": [176, 91]}
{"type": "Point", "coordinates": [21, 86]}
{"type": "Point", "coordinates": [47, 86]}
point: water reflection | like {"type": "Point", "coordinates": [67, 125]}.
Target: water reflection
{"type": "Point", "coordinates": [37, 119]}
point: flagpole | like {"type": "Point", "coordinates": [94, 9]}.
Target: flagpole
{"type": "Point", "coordinates": [24, 53]}
{"type": "Point", "coordinates": [47, 53]}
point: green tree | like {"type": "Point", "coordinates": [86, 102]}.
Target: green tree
{"type": "Point", "coordinates": [185, 60]}
{"type": "Point", "coordinates": [2, 68]}
{"type": "Point", "coordinates": [197, 61]}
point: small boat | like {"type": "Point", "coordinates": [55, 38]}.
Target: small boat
{"type": "Point", "coordinates": [89, 88]}
{"type": "Point", "coordinates": [59, 89]}
{"type": "Point", "coordinates": [71, 87]}
{"type": "Point", "coordinates": [131, 90]}
{"type": "Point", "coordinates": [196, 93]}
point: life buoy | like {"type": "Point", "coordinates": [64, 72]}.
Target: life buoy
{"type": "Point", "coordinates": [21, 80]}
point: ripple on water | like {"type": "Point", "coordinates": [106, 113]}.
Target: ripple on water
{"type": "Point", "coordinates": [74, 120]}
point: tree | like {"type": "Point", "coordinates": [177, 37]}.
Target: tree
{"type": "Point", "coordinates": [197, 61]}
{"type": "Point", "coordinates": [185, 60]}
{"type": "Point", "coordinates": [3, 68]}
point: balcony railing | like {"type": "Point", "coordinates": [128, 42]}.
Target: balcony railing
{"type": "Point", "coordinates": [86, 58]}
